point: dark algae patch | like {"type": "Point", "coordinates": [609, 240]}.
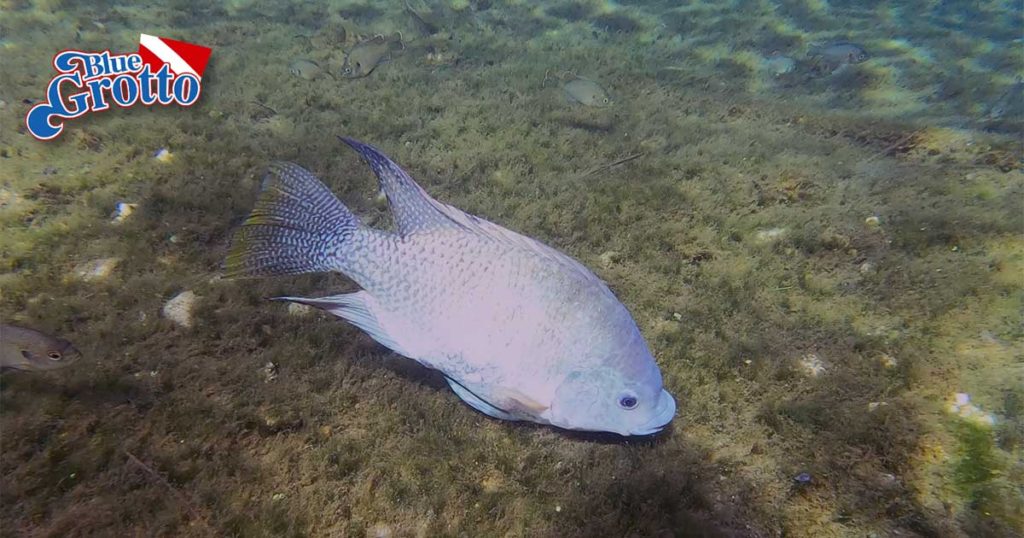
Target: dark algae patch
{"type": "Point", "coordinates": [825, 257]}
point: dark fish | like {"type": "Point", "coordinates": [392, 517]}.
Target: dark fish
{"type": "Point", "coordinates": [365, 57]}
{"type": "Point", "coordinates": [28, 349]}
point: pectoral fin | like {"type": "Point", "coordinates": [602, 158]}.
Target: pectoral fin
{"type": "Point", "coordinates": [514, 400]}
{"type": "Point", "coordinates": [476, 402]}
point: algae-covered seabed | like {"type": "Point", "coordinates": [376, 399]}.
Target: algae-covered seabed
{"type": "Point", "coordinates": [742, 239]}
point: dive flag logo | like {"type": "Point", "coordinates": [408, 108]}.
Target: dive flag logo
{"type": "Point", "coordinates": [181, 57]}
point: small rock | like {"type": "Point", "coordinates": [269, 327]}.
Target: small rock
{"type": "Point", "coordinates": [770, 235]}
{"type": "Point", "coordinates": [812, 365]}
{"type": "Point", "coordinates": [872, 406]}
{"type": "Point", "coordinates": [296, 309]}
{"type": "Point", "coordinates": [887, 361]}
{"type": "Point", "coordinates": [609, 258]}
{"type": "Point", "coordinates": [179, 308]}
{"type": "Point", "coordinates": [873, 221]}
{"type": "Point", "coordinates": [269, 372]}
{"type": "Point", "coordinates": [277, 496]}
{"type": "Point", "coordinates": [802, 479]}
{"type": "Point", "coordinates": [96, 269]}
{"type": "Point", "coordinates": [379, 530]}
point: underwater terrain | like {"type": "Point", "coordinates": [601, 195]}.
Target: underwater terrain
{"type": "Point", "coordinates": [814, 211]}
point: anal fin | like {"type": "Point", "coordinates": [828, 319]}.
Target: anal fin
{"type": "Point", "coordinates": [357, 309]}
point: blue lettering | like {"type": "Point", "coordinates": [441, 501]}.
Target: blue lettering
{"type": "Point", "coordinates": [163, 84]}
{"type": "Point", "coordinates": [99, 101]}
{"type": "Point", "coordinates": [134, 63]}
{"type": "Point", "coordinates": [39, 118]}
{"type": "Point", "coordinates": [124, 90]}
{"type": "Point", "coordinates": [186, 94]}
{"type": "Point", "coordinates": [125, 78]}
{"type": "Point", "coordinates": [146, 85]}
{"type": "Point", "coordinates": [55, 101]}
{"type": "Point", "coordinates": [66, 61]}
{"type": "Point", "coordinates": [95, 65]}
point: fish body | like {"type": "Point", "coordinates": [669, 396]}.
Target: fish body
{"type": "Point", "coordinates": [520, 330]}
{"type": "Point", "coordinates": [305, 69]}
{"type": "Point", "coordinates": [586, 92]}
{"type": "Point", "coordinates": [835, 55]}
{"type": "Point", "coordinates": [22, 348]}
{"type": "Point", "coordinates": [778, 65]}
{"type": "Point", "coordinates": [365, 57]}
{"type": "Point", "coordinates": [1009, 104]}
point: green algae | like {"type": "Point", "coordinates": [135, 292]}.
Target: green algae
{"type": "Point", "coordinates": [352, 441]}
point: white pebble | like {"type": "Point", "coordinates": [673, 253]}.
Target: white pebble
{"type": "Point", "coordinates": [298, 309]}
{"type": "Point", "coordinates": [96, 269]}
{"type": "Point", "coordinates": [179, 309]}
{"type": "Point", "coordinates": [812, 365]}
{"type": "Point", "coordinates": [770, 235]}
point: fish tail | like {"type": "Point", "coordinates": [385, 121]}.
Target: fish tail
{"type": "Point", "coordinates": [298, 226]}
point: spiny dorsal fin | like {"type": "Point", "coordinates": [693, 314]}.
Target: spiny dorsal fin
{"type": "Point", "coordinates": [415, 210]}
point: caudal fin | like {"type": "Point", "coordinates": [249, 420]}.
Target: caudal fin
{"type": "Point", "coordinates": [297, 226]}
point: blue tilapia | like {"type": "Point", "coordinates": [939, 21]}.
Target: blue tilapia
{"type": "Point", "coordinates": [519, 330]}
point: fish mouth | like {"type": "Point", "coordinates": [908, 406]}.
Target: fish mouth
{"type": "Point", "coordinates": [663, 414]}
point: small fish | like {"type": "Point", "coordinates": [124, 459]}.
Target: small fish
{"type": "Point", "coordinates": [305, 69]}
{"type": "Point", "coordinates": [778, 65]}
{"type": "Point", "coordinates": [28, 349]}
{"type": "Point", "coordinates": [519, 330]}
{"type": "Point", "coordinates": [1009, 104]}
{"type": "Point", "coordinates": [427, 22]}
{"type": "Point", "coordinates": [365, 57]}
{"type": "Point", "coordinates": [586, 92]}
{"type": "Point", "coordinates": [835, 55]}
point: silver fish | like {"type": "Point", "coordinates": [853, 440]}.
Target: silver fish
{"type": "Point", "coordinates": [836, 55]}
{"type": "Point", "coordinates": [586, 92]}
{"type": "Point", "coordinates": [519, 330]}
{"type": "Point", "coordinates": [28, 349]}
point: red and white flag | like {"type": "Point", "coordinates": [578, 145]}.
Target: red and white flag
{"type": "Point", "coordinates": [181, 57]}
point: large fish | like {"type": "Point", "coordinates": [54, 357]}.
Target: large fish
{"type": "Point", "coordinates": [519, 330]}
{"type": "Point", "coordinates": [28, 349]}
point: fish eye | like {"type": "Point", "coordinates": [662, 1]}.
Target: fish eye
{"type": "Point", "coordinates": [628, 401]}
{"type": "Point", "coordinates": [55, 355]}
{"type": "Point", "coordinates": [606, 100]}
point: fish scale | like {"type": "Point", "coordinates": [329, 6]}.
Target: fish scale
{"type": "Point", "coordinates": [520, 330]}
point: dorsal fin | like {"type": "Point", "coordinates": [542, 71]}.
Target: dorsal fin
{"type": "Point", "coordinates": [415, 210]}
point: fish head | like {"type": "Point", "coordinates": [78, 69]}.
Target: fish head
{"type": "Point", "coordinates": [626, 401]}
{"type": "Point", "coordinates": [49, 354]}
{"type": "Point", "coordinates": [352, 68]}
